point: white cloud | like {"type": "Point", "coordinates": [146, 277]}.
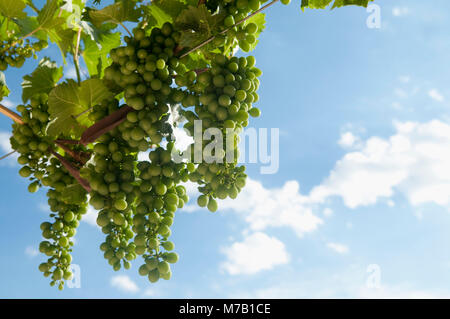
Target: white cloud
{"type": "Point", "coordinates": [404, 78]}
{"type": "Point", "coordinates": [264, 207]}
{"type": "Point", "coordinates": [5, 145]}
{"type": "Point", "coordinates": [401, 291]}
{"type": "Point", "coordinates": [43, 207]}
{"type": "Point", "coordinates": [348, 140]}
{"type": "Point", "coordinates": [150, 292]}
{"type": "Point", "coordinates": [30, 251]}
{"type": "Point", "coordinates": [182, 139]}
{"type": "Point", "coordinates": [436, 95]}
{"type": "Point", "coordinates": [348, 282]}
{"type": "Point", "coordinates": [400, 11]}
{"type": "Point", "coordinates": [8, 103]}
{"type": "Point", "coordinates": [255, 253]}
{"type": "Point", "coordinates": [414, 161]}
{"type": "Point", "coordinates": [339, 248]}
{"type": "Point", "coordinates": [143, 156]}
{"type": "Point", "coordinates": [401, 93]}
{"type": "Point", "coordinates": [70, 73]}
{"type": "Point", "coordinates": [191, 188]}
{"type": "Point", "coordinates": [327, 212]}
{"type": "Point", "coordinates": [5, 148]}
{"type": "Point", "coordinates": [124, 283]}
{"type": "Point", "coordinates": [90, 217]}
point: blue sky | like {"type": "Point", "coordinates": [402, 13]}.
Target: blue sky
{"type": "Point", "coordinates": [362, 194]}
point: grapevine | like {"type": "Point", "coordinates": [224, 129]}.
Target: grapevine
{"type": "Point", "coordinates": [81, 139]}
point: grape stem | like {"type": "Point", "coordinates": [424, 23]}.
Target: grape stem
{"type": "Point", "coordinates": [228, 29]}
{"type": "Point", "coordinates": [75, 56]}
{"type": "Point", "coordinates": [75, 155]}
{"type": "Point", "coordinates": [126, 29]}
{"type": "Point", "coordinates": [73, 171]}
{"type": "Point", "coordinates": [12, 115]}
{"type": "Point", "coordinates": [32, 6]}
{"type": "Point", "coordinates": [84, 112]}
{"type": "Point", "coordinates": [26, 36]}
{"type": "Point", "coordinates": [6, 155]}
{"type": "Point", "coordinates": [69, 142]}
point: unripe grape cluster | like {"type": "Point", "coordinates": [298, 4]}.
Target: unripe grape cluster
{"type": "Point", "coordinates": [158, 199]}
{"type": "Point", "coordinates": [137, 200]}
{"type": "Point", "coordinates": [68, 209]}
{"type": "Point", "coordinates": [66, 198]}
{"type": "Point", "coordinates": [225, 102]}
{"type": "Point", "coordinates": [15, 51]}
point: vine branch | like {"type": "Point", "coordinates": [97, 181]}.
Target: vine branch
{"type": "Point", "coordinates": [126, 29]}
{"type": "Point", "coordinates": [11, 114]}
{"type": "Point", "coordinates": [6, 155]}
{"type": "Point", "coordinates": [75, 56]}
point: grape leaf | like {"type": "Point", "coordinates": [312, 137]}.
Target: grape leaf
{"type": "Point", "coordinates": [4, 90]}
{"type": "Point", "coordinates": [13, 8]}
{"type": "Point", "coordinates": [156, 16]}
{"type": "Point", "coordinates": [195, 61]}
{"type": "Point", "coordinates": [341, 3]}
{"type": "Point", "coordinates": [42, 80]}
{"type": "Point", "coordinates": [29, 24]}
{"type": "Point", "coordinates": [116, 13]}
{"type": "Point", "coordinates": [47, 17]}
{"type": "Point", "coordinates": [64, 39]}
{"type": "Point", "coordinates": [322, 4]}
{"type": "Point", "coordinates": [95, 53]}
{"type": "Point", "coordinates": [196, 25]}
{"type": "Point", "coordinates": [172, 8]}
{"type": "Point", "coordinates": [68, 100]}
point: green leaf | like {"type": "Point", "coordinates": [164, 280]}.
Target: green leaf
{"type": "Point", "coordinates": [47, 17]}
{"type": "Point", "coordinates": [68, 100]}
{"type": "Point", "coordinates": [92, 92]}
{"type": "Point", "coordinates": [64, 39]}
{"type": "Point", "coordinates": [95, 53]}
{"type": "Point", "coordinates": [4, 90]}
{"type": "Point", "coordinates": [29, 24]}
{"type": "Point", "coordinates": [171, 8]}
{"type": "Point", "coordinates": [195, 60]}
{"type": "Point", "coordinates": [116, 13]}
{"type": "Point", "coordinates": [13, 8]}
{"type": "Point", "coordinates": [42, 80]}
{"type": "Point", "coordinates": [322, 4]}
{"type": "Point", "coordinates": [341, 3]}
{"type": "Point", "coordinates": [196, 25]}
{"type": "Point", "coordinates": [156, 16]}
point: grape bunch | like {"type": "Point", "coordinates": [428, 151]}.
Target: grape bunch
{"type": "Point", "coordinates": [14, 51]}
{"type": "Point", "coordinates": [30, 141]}
{"type": "Point", "coordinates": [237, 10]}
{"type": "Point", "coordinates": [225, 102]}
{"type": "Point", "coordinates": [143, 70]}
{"type": "Point", "coordinates": [158, 199]}
{"type": "Point", "coordinates": [66, 198]}
{"type": "Point", "coordinates": [111, 175]}
{"type": "Point", "coordinates": [68, 202]}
